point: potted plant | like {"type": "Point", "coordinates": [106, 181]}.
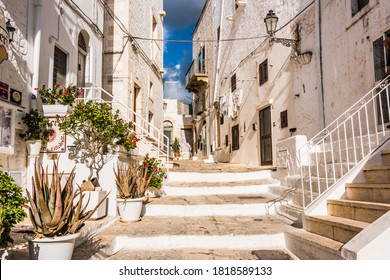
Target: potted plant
{"type": "Point", "coordinates": [132, 183]}
{"type": "Point", "coordinates": [56, 213]}
{"type": "Point", "coordinates": [11, 207]}
{"type": "Point", "coordinates": [98, 131]}
{"type": "Point", "coordinates": [38, 128]}
{"type": "Point", "coordinates": [156, 172]}
{"type": "Point", "coordinates": [176, 147]}
{"type": "Point", "coordinates": [58, 100]}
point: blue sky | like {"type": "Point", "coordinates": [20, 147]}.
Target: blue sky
{"type": "Point", "coordinates": [178, 24]}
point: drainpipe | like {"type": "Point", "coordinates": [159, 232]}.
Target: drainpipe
{"type": "Point", "coordinates": [320, 80]}
{"type": "Point", "coordinates": [37, 42]}
{"type": "Point", "coordinates": [215, 98]}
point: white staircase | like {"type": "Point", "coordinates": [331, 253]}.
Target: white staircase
{"type": "Point", "coordinates": [334, 212]}
{"type": "Point", "coordinates": [201, 216]}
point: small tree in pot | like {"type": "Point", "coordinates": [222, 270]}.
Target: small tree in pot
{"type": "Point", "coordinates": [98, 131]}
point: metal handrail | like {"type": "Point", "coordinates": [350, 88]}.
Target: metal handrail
{"type": "Point", "coordinates": [352, 137]}
{"type": "Point", "coordinates": [140, 129]}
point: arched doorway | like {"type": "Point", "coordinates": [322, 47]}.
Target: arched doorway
{"type": "Point", "coordinates": [81, 59]}
{"type": "Point", "coordinates": [168, 128]}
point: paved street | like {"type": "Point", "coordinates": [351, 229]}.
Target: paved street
{"type": "Point", "coordinates": [192, 227]}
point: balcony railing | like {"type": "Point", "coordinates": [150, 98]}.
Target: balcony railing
{"type": "Point", "coordinates": [196, 76]}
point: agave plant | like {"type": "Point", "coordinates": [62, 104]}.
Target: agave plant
{"type": "Point", "coordinates": [56, 210]}
{"type": "Point", "coordinates": [131, 181]}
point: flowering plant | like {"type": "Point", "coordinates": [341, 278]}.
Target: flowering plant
{"type": "Point", "coordinates": [37, 125]}
{"type": "Point", "coordinates": [129, 141]}
{"type": "Point", "coordinates": [59, 95]}
{"type": "Point", "coordinates": [154, 170]}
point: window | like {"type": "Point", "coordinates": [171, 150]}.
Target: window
{"type": "Point", "coordinates": [263, 72]}
{"type": "Point", "coordinates": [379, 59]}
{"type": "Point", "coordinates": [233, 83]}
{"type": "Point", "coordinates": [202, 61]}
{"type": "Point", "coordinates": [357, 5]}
{"type": "Point", "coordinates": [59, 67]}
{"type": "Point", "coordinates": [283, 119]}
{"type": "Point", "coordinates": [235, 138]}
{"type": "Point", "coordinates": [151, 90]}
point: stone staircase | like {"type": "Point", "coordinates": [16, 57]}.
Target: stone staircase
{"type": "Point", "coordinates": [363, 204]}
{"type": "Point", "coordinates": [215, 211]}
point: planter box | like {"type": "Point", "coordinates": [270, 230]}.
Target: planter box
{"type": "Point", "coordinates": [56, 109]}
{"type": "Point", "coordinates": [94, 198]}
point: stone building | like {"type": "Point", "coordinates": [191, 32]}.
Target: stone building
{"type": "Point", "coordinates": [254, 93]}
{"type": "Point", "coordinates": [54, 42]}
{"type": "Point", "coordinates": [133, 64]}
{"type": "Point", "coordinates": [178, 124]}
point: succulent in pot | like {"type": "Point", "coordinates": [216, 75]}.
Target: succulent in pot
{"type": "Point", "coordinates": [132, 183]}
{"type": "Point", "coordinates": [56, 210]}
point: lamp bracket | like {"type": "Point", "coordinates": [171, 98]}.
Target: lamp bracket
{"type": "Point", "coordinates": [285, 42]}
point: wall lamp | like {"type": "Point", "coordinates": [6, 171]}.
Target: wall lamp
{"type": "Point", "coordinates": [10, 30]}
{"type": "Point", "coordinates": [271, 21]}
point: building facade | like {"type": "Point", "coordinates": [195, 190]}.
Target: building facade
{"type": "Point", "coordinates": [178, 124]}
{"type": "Point", "coordinates": [133, 63]}
{"type": "Point", "coordinates": [55, 42]}
{"type": "Point", "coordinates": [262, 94]}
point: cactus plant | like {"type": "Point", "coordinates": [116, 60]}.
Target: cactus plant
{"type": "Point", "coordinates": [56, 210]}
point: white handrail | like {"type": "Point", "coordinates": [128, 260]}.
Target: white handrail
{"type": "Point", "coordinates": [95, 94]}
{"type": "Point", "coordinates": [344, 143]}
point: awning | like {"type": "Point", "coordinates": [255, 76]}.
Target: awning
{"type": "Point", "coordinates": [4, 38]}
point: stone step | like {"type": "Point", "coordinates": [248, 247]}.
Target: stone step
{"type": "Point", "coordinates": [194, 254]}
{"type": "Point", "coordinates": [368, 192]}
{"type": "Point", "coordinates": [216, 205]}
{"type": "Point", "coordinates": [336, 228]}
{"type": "Point", "coordinates": [310, 246]}
{"type": "Point", "coordinates": [350, 155]}
{"type": "Point", "coordinates": [165, 233]}
{"type": "Point", "coordinates": [386, 157]}
{"type": "Point", "coordinates": [377, 174]}
{"type": "Point", "coordinates": [191, 177]}
{"type": "Point", "coordinates": [218, 188]}
{"type": "Point", "coordinates": [357, 210]}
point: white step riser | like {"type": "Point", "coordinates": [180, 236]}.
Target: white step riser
{"type": "Point", "coordinates": [175, 242]}
{"type": "Point", "coordinates": [231, 190]}
{"type": "Point", "coordinates": [218, 177]}
{"type": "Point", "coordinates": [231, 210]}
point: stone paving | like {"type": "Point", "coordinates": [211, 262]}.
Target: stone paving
{"type": "Point", "coordinates": [152, 230]}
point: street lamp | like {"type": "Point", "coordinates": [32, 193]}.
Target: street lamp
{"type": "Point", "coordinates": [271, 21]}
{"type": "Point", "coordinates": [11, 30]}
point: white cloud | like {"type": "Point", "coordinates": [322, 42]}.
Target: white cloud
{"type": "Point", "coordinates": [174, 89]}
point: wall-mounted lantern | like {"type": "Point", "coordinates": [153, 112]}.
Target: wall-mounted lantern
{"type": "Point", "coordinates": [11, 30]}
{"type": "Point", "coordinates": [271, 21]}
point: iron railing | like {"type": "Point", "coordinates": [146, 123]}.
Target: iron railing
{"type": "Point", "coordinates": [343, 144]}
{"type": "Point", "coordinates": [152, 139]}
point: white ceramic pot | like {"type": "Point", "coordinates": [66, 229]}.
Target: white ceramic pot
{"type": "Point", "coordinates": [51, 248]}
{"type": "Point", "coordinates": [33, 147]}
{"type": "Point", "coordinates": [130, 209]}
{"type": "Point", "coordinates": [93, 198]}
{"type": "Point", "coordinates": [55, 109]}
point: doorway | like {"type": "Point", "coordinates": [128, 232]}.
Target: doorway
{"type": "Point", "coordinates": [265, 136]}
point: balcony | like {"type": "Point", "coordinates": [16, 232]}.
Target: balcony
{"type": "Point", "coordinates": [196, 77]}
